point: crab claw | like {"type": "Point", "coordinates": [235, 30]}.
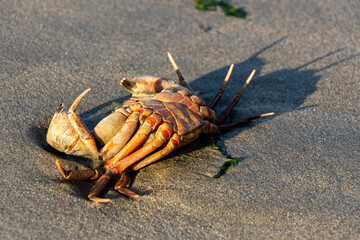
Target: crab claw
{"type": "Point", "coordinates": [67, 133]}
{"type": "Point", "coordinates": [146, 86]}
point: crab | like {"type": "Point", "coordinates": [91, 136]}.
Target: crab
{"type": "Point", "coordinates": [161, 116]}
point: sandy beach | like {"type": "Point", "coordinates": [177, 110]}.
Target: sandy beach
{"type": "Point", "coordinates": [298, 172]}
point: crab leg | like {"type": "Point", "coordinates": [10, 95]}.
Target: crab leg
{"type": "Point", "coordinates": [242, 121]}
{"type": "Point", "coordinates": [170, 146]}
{"type": "Point", "coordinates": [79, 174]}
{"type": "Point", "coordinates": [122, 184]}
{"type": "Point", "coordinates": [80, 128]}
{"type": "Point", "coordinates": [177, 70]}
{"type": "Point", "coordinates": [162, 135]}
{"type": "Point", "coordinates": [235, 100]}
{"type": "Point", "coordinates": [121, 138]}
{"type": "Point", "coordinates": [99, 186]}
{"type": "Point", "coordinates": [109, 126]}
{"type": "Point", "coordinates": [222, 89]}
{"type": "Point", "coordinates": [140, 136]}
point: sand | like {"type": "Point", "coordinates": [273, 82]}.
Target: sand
{"type": "Point", "coordinates": [298, 171]}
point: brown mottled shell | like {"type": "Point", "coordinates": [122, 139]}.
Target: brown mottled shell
{"type": "Point", "coordinates": [178, 109]}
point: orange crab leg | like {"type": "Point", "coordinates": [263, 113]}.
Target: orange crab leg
{"type": "Point", "coordinates": [79, 174]}
{"type": "Point", "coordinates": [150, 124]}
{"type": "Point", "coordinates": [99, 186]}
{"type": "Point", "coordinates": [80, 128]}
{"type": "Point", "coordinates": [121, 138]}
{"type": "Point", "coordinates": [161, 136]}
{"type": "Point", "coordinates": [170, 146]}
{"type": "Point", "coordinates": [122, 184]}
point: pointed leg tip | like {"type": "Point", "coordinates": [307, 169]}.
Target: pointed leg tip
{"type": "Point", "coordinates": [267, 114]}
{"type": "Point", "coordinates": [231, 68]}
{"type": "Point", "coordinates": [250, 77]}
{"type": "Point", "coordinates": [169, 55]}
{"type": "Point", "coordinates": [173, 63]}
{"type": "Point", "coordinates": [127, 192]}
{"type": "Point", "coordinates": [61, 169]}
{"type": "Point", "coordinates": [97, 199]}
{"type": "Point", "coordinates": [121, 184]}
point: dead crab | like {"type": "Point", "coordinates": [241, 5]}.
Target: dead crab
{"type": "Point", "coordinates": [160, 117]}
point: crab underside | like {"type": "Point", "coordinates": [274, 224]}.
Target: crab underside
{"type": "Point", "coordinates": [160, 117]}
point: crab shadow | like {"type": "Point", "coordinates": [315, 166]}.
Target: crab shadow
{"type": "Point", "coordinates": [280, 91]}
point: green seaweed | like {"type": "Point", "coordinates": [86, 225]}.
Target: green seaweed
{"type": "Point", "coordinates": [229, 10]}
{"type": "Point", "coordinates": [226, 165]}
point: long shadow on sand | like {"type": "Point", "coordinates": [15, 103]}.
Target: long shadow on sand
{"type": "Point", "coordinates": [281, 91]}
